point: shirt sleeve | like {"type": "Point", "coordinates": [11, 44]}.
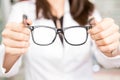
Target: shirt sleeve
{"type": "Point", "coordinates": [106, 62]}
{"type": "Point", "coordinates": [15, 16]}
{"type": "Point", "coordinates": [17, 11]}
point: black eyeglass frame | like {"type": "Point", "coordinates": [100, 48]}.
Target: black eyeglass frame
{"type": "Point", "coordinates": [57, 31]}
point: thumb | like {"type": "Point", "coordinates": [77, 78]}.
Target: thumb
{"type": "Point", "coordinates": [27, 22]}
{"type": "Point", "coordinates": [93, 22]}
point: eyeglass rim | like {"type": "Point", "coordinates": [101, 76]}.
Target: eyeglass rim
{"type": "Point", "coordinates": [33, 27]}
{"type": "Point", "coordinates": [37, 26]}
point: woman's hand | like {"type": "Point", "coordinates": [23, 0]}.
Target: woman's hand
{"type": "Point", "coordinates": [106, 35]}
{"type": "Point", "coordinates": [16, 38]}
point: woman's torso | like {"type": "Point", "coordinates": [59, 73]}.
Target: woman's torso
{"type": "Point", "coordinates": [54, 62]}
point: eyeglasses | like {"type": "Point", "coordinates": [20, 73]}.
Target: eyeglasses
{"type": "Point", "coordinates": [45, 35]}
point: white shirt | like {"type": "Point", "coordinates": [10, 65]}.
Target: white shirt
{"type": "Point", "coordinates": [54, 62]}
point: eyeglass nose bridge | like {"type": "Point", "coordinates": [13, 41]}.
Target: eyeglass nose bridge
{"type": "Point", "coordinates": [59, 31]}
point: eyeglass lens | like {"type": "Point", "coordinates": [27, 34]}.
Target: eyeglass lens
{"type": "Point", "coordinates": [46, 35]}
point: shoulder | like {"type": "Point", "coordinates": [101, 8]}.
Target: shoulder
{"type": "Point", "coordinates": [24, 5]}
{"type": "Point", "coordinates": [20, 8]}
{"type": "Point", "coordinates": [96, 15]}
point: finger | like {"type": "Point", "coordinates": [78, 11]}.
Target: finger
{"type": "Point", "coordinates": [26, 22]}
{"type": "Point", "coordinates": [14, 51]}
{"type": "Point", "coordinates": [92, 21]}
{"type": "Point", "coordinates": [29, 21]}
{"type": "Point", "coordinates": [18, 28]}
{"type": "Point", "coordinates": [15, 27]}
{"type": "Point", "coordinates": [107, 32]}
{"type": "Point", "coordinates": [15, 44]}
{"type": "Point", "coordinates": [15, 35]}
{"type": "Point", "coordinates": [109, 48]}
{"type": "Point", "coordinates": [108, 40]}
{"type": "Point", "coordinates": [104, 24]}
{"type": "Point", "coordinates": [26, 31]}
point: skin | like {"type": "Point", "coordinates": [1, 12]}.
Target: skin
{"type": "Point", "coordinates": [15, 46]}
{"type": "Point", "coordinates": [57, 7]}
{"type": "Point", "coordinates": [105, 34]}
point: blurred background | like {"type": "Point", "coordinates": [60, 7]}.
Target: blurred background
{"type": "Point", "coordinates": [107, 8]}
